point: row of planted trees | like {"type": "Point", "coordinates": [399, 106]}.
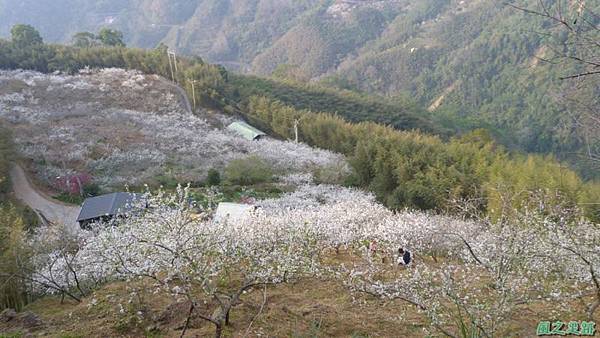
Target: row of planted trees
{"type": "Point", "coordinates": [26, 50]}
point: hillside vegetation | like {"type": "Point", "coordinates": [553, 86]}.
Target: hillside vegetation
{"type": "Point", "coordinates": [322, 252]}
{"type": "Point", "coordinates": [400, 114]}
{"type": "Point", "coordinates": [15, 220]}
{"type": "Point", "coordinates": [404, 169]}
{"type": "Point", "coordinates": [317, 261]}
{"type": "Point", "coordinates": [114, 128]}
{"type": "Point", "coordinates": [477, 63]}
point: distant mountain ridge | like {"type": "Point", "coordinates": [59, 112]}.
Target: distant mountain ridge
{"type": "Point", "coordinates": [317, 36]}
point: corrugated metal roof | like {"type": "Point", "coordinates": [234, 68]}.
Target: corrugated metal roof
{"type": "Point", "coordinates": [108, 205]}
{"type": "Point", "coordinates": [232, 212]}
{"type": "Point", "coordinates": [245, 130]}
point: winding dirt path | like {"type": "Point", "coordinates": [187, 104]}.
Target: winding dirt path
{"type": "Point", "coordinates": [181, 91]}
{"type": "Point", "coordinates": [51, 210]}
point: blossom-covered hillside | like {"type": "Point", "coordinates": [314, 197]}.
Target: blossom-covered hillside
{"type": "Point", "coordinates": [123, 127]}
{"type": "Point", "coordinates": [323, 252]}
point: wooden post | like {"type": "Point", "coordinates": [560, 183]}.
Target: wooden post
{"type": "Point", "coordinates": [80, 186]}
{"type": "Point", "coordinates": [193, 93]}
{"type": "Point", "coordinates": [175, 61]}
{"type": "Point", "coordinates": [171, 65]}
{"type": "Point", "coordinates": [296, 123]}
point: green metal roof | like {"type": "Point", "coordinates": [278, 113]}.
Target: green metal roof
{"type": "Point", "coordinates": [245, 130]}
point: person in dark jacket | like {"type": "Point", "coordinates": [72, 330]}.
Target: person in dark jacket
{"type": "Point", "coordinates": [404, 257]}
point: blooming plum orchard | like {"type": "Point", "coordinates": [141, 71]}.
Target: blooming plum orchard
{"type": "Point", "coordinates": [567, 249]}
{"type": "Point", "coordinates": [186, 257]}
{"type": "Point", "coordinates": [481, 272]}
{"type": "Point", "coordinates": [126, 128]}
{"type": "Point", "coordinates": [490, 269]}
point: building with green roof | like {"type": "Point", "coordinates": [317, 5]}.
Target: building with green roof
{"type": "Point", "coordinates": [246, 131]}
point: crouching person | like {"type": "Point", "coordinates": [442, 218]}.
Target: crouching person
{"type": "Point", "coordinates": [404, 257]}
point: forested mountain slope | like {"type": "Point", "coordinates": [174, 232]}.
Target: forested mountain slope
{"type": "Point", "coordinates": [475, 62]}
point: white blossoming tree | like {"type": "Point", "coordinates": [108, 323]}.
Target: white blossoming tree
{"type": "Point", "coordinates": [473, 289]}
{"type": "Point", "coordinates": [55, 263]}
{"type": "Point", "coordinates": [568, 253]}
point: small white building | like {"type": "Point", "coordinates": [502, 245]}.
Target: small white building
{"type": "Point", "coordinates": [233, 212]}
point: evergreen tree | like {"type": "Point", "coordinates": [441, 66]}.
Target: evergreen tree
{"type": "Point", "coordinates": [25, 36]}
{"type": "Point", "coordinates": [111, 37]}
{"type": "Point", "coordinates": [84, 40]}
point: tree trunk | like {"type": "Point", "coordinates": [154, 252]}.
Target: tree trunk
{"type": "Point", "coordinates": [218, 330]}
{"type": "Point", "coordinates": [296, 122]}
{"type": "Point", "coordinates": [593, 308]}
{"type": "Point", "coordinates": [187, 320]}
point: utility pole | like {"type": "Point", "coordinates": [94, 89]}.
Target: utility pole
{"type": "Point", "coordinates": [175, 60]}
{"type": "Point", "coordinates": [296, 124]}
{"type": "Point", "coordinates": [193, 82]}
{"type": "Point", "coordinates": [170, 54]}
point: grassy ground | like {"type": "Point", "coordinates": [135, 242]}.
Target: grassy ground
{"type": "Point", "coordinates": [305, 309]}
{"type": "Point", "coordinates": [69, 198]}
{"type": "Point", "coordinates": [239, 194]}
{"type": "Point", "coordinates": [309, 308]}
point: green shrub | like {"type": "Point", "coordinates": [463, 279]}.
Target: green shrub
{"type": "Point", "coordinates": [248, 171]}
{"type": "Point", "coordinates": [91, 190]}
{"type": "Point", "coordinates": [167, 181]}
{"type": "Point", "coordinates": [332, 174]}
{"type": "Point", "coordinates": [69, 198]}
{"type": "Point", "coordinates": [6, 155]}
{"type": "Point", "coordinates": [213, 178]}
{"type": "Point", "coordinates": [12, 256]}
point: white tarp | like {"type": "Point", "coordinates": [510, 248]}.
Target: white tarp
{"type": "Point", "coordinates": [227, 212]}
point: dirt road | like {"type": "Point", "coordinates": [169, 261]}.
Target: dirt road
{"type": "Point", "coordinates": [181, 91]}
{"type": "Point", "coordinates": [53, 210]}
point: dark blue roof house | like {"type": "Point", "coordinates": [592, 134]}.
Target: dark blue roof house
{"type": "Point", "coordinates": [106, 207]}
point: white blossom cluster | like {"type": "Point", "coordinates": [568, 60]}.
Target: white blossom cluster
{"type": "Point", "coordinates": [124, 127]}
{"type": "Point", "coordinates": [483, 269]}
{"type": "Point", "coordinates": [344, 8]}
{"type": "Point", "coordinates": [331, 216]}
{"type": "Point", "coordinates": [336, 216]}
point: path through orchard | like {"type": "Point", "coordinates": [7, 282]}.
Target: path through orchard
{"type": "Point", "coordinates": [50, 209]}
